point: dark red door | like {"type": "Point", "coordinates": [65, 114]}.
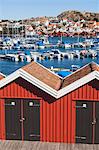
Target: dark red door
{"type": "Point", "coordinates": [87, 122]}
{"type": "Point", "coordinates": [22, 119]}
{"type": "Point", "coordinates": [83, 122]}
{"type": "Point", "coordinates": [32, 120]}
{"type": "Point", "coordinates": [96, 122]}
{"type": "Point", "coordinates": [12, 119]}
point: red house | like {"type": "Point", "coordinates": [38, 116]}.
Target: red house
{"type": "Point", "coordinates": [36, 104]}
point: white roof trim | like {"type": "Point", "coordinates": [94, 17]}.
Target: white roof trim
{"type": "Point", "coordinates": [45, 87]}
{"type": "Point", "coordinates": [30, 79]}
{"type": "Point", "coordinates": [2, 74]}
{"type": "Point", "coordinates": [37, 83]}
{"type": "Point", "coordinates": [78, 83]}
{"type": "Point", "coordinates": [9, 78]}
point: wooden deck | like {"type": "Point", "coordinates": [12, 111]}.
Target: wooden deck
{"type": "Point", "coordinates": [27, 145]}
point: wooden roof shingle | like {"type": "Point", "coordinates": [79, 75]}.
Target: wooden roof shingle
{"type": "Point", "coordinates": [43, 74]}
{"type": "Point", "coordinates": [80, 74]}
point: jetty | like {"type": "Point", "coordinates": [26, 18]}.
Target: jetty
{"type": "Point", "coordinates": [20, 145]}
{"type": "Point", "coordinates": [49, 55]}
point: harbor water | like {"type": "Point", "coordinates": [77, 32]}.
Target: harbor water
{"type": "Point", "coordinates": [8, 67]}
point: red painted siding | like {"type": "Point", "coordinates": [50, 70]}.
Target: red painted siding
{"type": "Point", "coordinates": [89, 91]}
{"type": "Point", "coordinates": [62, 113]}
{"type": "Point", "coordinates": [2, 119]}
{"type": "Point", "coordinates": [57, 117]}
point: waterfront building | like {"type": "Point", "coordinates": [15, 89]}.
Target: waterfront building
{"type": "Point", "coordinates": [37, 104]}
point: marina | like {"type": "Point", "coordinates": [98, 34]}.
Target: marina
{"type": "Point", "coordinates": [49, 75]}
{"type": "Point", "coordinates": [53, 42]}
{"type": "Point", "coordinates": [54, 54]}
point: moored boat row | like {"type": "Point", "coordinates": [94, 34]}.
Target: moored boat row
{"type": "Point", "coordinates": [43, 43]}
{"type": "Point", "coordinates": [53, 54]}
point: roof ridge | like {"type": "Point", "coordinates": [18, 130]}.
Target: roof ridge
{"type": "Point", "coordinates": [89, 64]}
{"type": "Point", "coordinates": [83, 71]}
{"type": "Point", "coordinates": [94, 66]}
{"type": "Point", "coordinates": [43, 74]}
{"type": "Point", "coordinates": [44, 68]}
{"type": "Point", "coordinates": [48, 70]}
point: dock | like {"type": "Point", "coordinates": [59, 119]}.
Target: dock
{"type": "Point", "coordinates": [2, 56]}
{"type": "Point", "coordinates": [31, 145]}
{"type": "Point", "coordinates": [49, 55]}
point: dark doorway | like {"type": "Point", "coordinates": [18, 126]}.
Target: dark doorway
{"type": "Point", "coordinates": [12, 119]}
{"type": "Point", "coordinates": [32, 120]}
{"type": "Point", "coordinates": [87, 124]}
{"type": "Point", "coordinates": [22, 119]}
{"type": "Point", "coordinates": [97, 123]}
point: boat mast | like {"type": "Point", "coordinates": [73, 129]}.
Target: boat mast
{"type": "Point", "coordinates": [22, 30]}
{"type": "Point", "coordinates": [12, 30]}
{"type": "Point", "coordinates": [7, 30]}
{"type": "Point", "coordinates": [17, 30]}
{"type": "Point", "coordinates": [61, 37]}
{"type": "Point", "coordinates": [2, 31]}
{"type": "Point", "coordinates": [78, 40]}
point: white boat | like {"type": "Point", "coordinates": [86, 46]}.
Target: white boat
{"type": "Point", "coordinates": [92, 53]}
{"type": "Point", "coordinates": [67, 45]}
{"type": "Point", "coordinates": [75, 67]}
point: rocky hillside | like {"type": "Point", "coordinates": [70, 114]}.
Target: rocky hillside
{"type": "Point", "coordinates": [76, 15]}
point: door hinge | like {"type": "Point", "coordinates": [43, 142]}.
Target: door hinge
{"type": "Point", "coordinates": [35, 135]}
{"type": "Point", "coordinates": [94, 122]}
{"type": "Point", "coordinates": [23, 119]}
{"type": "Point", "coordinates": [83, 106]}
{"type": "Point", "coordinates": [10, 104]}
{"type": "Point", "coordinates": [81, 137]}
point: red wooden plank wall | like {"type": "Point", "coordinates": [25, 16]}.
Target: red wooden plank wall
{"type": "Point", "coordinates": [57, 117]}
{"type": "Point", "coordinates": [89, 91]}
{"type": "Point", "coordinates": [2, 119]}
{"type": "Point", "coordinates": [58, 120]}
{"type": "Point", "coordinates": [18, 89]}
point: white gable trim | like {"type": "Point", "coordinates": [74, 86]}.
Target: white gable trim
{"type": "Point", "coordinates": [30, 79]}
{"type": "Point", "coordinates": [9, 78]}
{"type": "Point", "coordinates": [37, 83]}
{"type": "Point", "coordinates": [91, 76]}
{"type": "Point", "coordinates": [45, 87]}
{"type": "Point", "coordinates": [2, 74]}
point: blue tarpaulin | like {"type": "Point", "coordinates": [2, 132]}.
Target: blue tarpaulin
{"type": "Point", "coordinates": [63, 73]}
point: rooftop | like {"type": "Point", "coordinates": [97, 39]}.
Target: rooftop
{"type": "Point", "coordinates": [51, 83]}
{"type": "Point", "coordinates": [43, 74]}
{"type": "Point", "coordinates": [56, 82]}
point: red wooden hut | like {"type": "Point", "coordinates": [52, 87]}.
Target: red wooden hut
{"type": "Point", "coordinates": [36, 104]}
